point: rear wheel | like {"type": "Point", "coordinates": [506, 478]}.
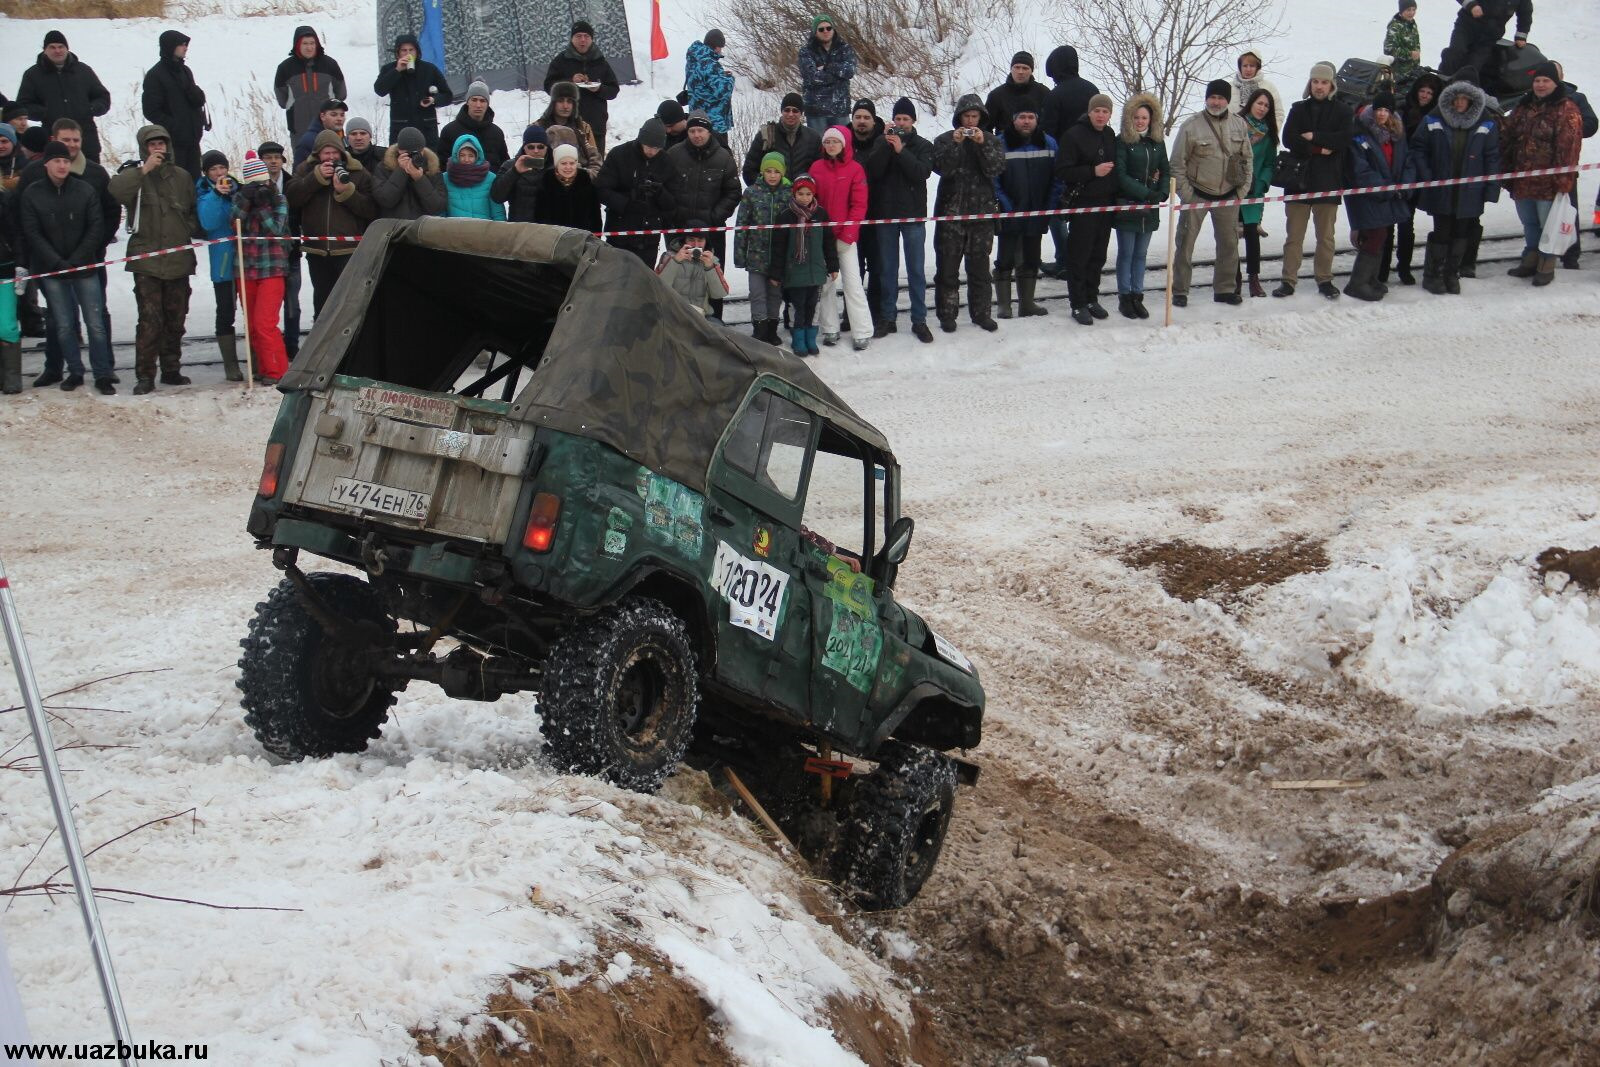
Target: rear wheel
{"type": "Point", "coordinates": [620, 695]}
{"type": "Point", "coordinates": [896, 826]}
{"type": "Point", "coordinates": [304, 692]}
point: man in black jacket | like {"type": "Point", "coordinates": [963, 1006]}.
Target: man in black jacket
{"type": "Point", "coordinates": [519, 181]}
{"type": "Point", "coordinates": [790, 137]}
{"type": "Point", "coordinates": [1086, 161]}
{"type": "Point", "coordinates": [63, 227]}
{"type": "Point", "coordinates": [676, 121]}
{"type": "Point", "coordinates": [1479, 26]}
{"type": "Point", "coordinates": [703, 181]}
{"type": "Point", "coordinates": [415, 89]}
{"type": "Point", "coordinates": [582, 64]}
{"type": "Point", "coordinates": [633, 188]}
{"type": "Point", "coordinates": [173, 101]}
{"type": "Point", "coordinates": [869, 148]}
{"type": "Point", "coordinates": [477, 118]}
{"type": "Point", "coordinates": [897, 188]}
{"type": "Point", "coordinates": [1318, 130]}
{"type": "Point", "coordinates": [1018, 91]}
{"type": "Point", "coordinates": [60, 86]}
{"type": "Point", "coordinates": [81, 168]}
{"type": "Point", "coordinates": [1063, 105]}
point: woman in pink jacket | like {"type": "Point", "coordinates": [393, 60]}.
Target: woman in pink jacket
{"type": "Point", "coordinates": [842, 191]}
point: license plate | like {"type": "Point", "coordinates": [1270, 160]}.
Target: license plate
{"type": "Point", "coordinates": [370, 496]}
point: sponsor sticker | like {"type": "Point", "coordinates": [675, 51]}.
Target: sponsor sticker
{"type": "Point", "coordinates": [408, 407]}
{"type": "Point", "coordinates": [950, 653]}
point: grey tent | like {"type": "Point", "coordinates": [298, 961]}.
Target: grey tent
{"type": "Point", "coordinates": [507, 45]}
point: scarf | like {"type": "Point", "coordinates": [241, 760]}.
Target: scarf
{"type": "Point", "coordinates": [466, 175]}
{"type": "Point", "coordinates": [1258, 129]}
{"type": "Point", "coordinates": [805, 215]}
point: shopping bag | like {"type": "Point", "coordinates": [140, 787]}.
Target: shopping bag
{"type": "Point", "coordinates": [1560, 229]}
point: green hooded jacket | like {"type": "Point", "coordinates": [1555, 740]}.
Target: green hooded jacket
{"type": "Point", "coordinates": [161, 210]}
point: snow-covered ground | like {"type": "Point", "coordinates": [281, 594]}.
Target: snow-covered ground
{"type": "Point", "coordinates": [1432, 446]}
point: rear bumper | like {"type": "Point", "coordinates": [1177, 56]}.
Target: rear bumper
{"type": "Point", "coordinates": [437, 561]}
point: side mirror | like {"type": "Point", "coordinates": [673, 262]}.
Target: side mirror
{"type": "Point", "coordinates": [899, 542]}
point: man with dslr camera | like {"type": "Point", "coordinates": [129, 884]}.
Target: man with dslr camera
{"type": "Point", "coordinates": [332, 193]}
{"type": "Point", "coordinates": [409, 183]}
{"type": "Point", "coordinates": [632, 187]}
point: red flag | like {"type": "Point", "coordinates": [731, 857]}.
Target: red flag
{"type": "Point", "coordinates": [658, 40]}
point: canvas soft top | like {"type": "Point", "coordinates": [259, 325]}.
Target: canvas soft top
{"type": "Point", "coordinates": [627, 361]}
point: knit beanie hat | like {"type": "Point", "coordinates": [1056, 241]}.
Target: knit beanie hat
{"type": "Point", "coordinates": [670, 112]}
{"type": "Point", "coordinates": [775, 159]}
{"type": "Point", "coordinates": [803, 179]}
{"type": "Point", "coordinates": [1025, 58]}
{"type": "Point", "coordinates": [57, 150]}
{"type": "Point", "coordinates": [1407, 5]}
{"type": "Point", "coordinates": [1323, 72]}
{"type": "Point", "coordinates": [904, 106]}
{"type": "Point", "coordinates": [581, 26]}
{"type": "Point", "coordinates": [653, 134]}
{"type": "Point", "coordinates": [564, 151]}
{"type": "Point", "coordinates": [13, 111]}
{"type": "Point", "coordinates": [211, 159]}
{"type": "Point", "coordinates": [1383, 101]}
{"type": "Point", "coordinates": [34, 138]}
{"type": "Point", "coordinates": [833, 133]}
{"type": "Point", "coordinates": [820, 19]}
{"type": "Point", "coordinates": [255, 170]}
{"type": "Point", "coordinates": [1220, 87]}
{"type": "Point", "coordinates": [54, 37]}
{"type": "Point", "coordinates": [357, 124]}
{"type": "Point", "coordinates": [411, 140]}
{"type": "Point", "coordinates": [1548, 69]}
{"type": "Point", "coordinates": [794, 100]}
{"type": "Point", "coordinates": [478, 88]}
{"type": "Point", "coordinates": [865, 105]}
{"type": "Point", "coordinates": [716, 39]}
{"type": "Point", "coordinates": [698, 118]}
{"type": "Point", "coordinates": [1100, 100]}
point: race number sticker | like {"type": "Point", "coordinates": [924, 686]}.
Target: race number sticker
{"type": "Point", "coordinates": [950, 653]}
{"type": "Point", "coordinates": [754, 590]}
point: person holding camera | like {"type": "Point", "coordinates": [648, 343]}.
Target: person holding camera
{"type": "Point", "coordinates": [263, 218]}
{"type": "Point", "coordinates": [517, 184]}
{"type": "Point", "coordinates": [967, 162]}
{"type": "Point", "coordinates": [415, 89]}
{"type": "Point", "coordinates": [213, 195]}
{"type": "Point", "coordinates": [409, 183]}
{"type": "Point", "coordinates": [633, 188]}
{"type": "Point", "coordinates": [332, 194]}
{"type": "Point", "coordinates": [693, 271]}
{"type": "Point", "coordinates": [159, 198]}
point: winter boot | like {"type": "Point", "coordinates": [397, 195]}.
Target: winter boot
{"type": "Point", "coordinates": [811, 340]}
{"type": "Point", "coordinates": [1526, 267]}
{"type": "Point", "coordinates": [1126, 306]}
{"type": "Point", "coordinates": [10, 367]}
{"type": "Point", "coordinates": [1459, 250]}
{"type": "Point", "coordinates": [1546, 272]}
{"type": "Point", "coordinates": [1002, 294]}
{"type": "Point", "coordinates": [1434, 257]}
{"type": "Point", "coordinates": [1363, 283]}
{"type": "Point", "coordinates": [797, 341]}
{"type": "Point", "coordinates": [1468, 268]}
{"type": "Point", "coordinates": [228, 345]}
{"type": "Point", "coordinates": [1255, 286]}
{"type": "Point", "coordinates": [1026, 306]}
{"type": "Point", "coordinates": [1138, 305]}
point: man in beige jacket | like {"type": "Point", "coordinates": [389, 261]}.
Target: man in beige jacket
{"type": "Point", "coordinates": [1212, 161]}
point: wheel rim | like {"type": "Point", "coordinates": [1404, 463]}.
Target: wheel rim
{"type": "Point", "coordinates": [640, 697]}
{"type": "Point", "coordinates": [341, 682]}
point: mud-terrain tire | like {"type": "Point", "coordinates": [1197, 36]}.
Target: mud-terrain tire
{"type": "Point", "coordinates": [305, 694]}
{"type": "Point", "coordinates": [898, 818]}
{"type": "Point", "coordinates": [620, 694]}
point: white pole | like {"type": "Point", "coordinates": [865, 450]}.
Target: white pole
{"type": "Point", "coordinates": [82, 888]}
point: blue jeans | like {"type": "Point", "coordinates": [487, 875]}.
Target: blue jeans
{"type": "Point", "coordinates": [1132, 248]}
{"type": "Point", "coordinates": [914, 236]}
{"type": "Point", "coordinates": [820, 123]}
{"type": "Point", "coordinates": [1533, 214]}
{"type": "Point", "coordinates": [67, 295]}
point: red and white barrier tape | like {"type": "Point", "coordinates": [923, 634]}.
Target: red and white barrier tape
{"type": "Point", "coordinates": [1198, 205]}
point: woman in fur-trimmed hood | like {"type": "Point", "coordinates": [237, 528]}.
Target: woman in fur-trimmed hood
{"type": "Point", "coordinates": [1458, 139]}
{"type": "Point", "coordinates": [1144, 175]}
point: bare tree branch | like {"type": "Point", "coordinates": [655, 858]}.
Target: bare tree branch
{"type": "Point", "coordinates": [49, 889]}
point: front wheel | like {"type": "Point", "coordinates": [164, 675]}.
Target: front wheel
{"type": "Point", "coordinates": [896, 825]}
{"type": "Point", "coordinates": [305, 693]}
{"type": "Point", "coordinates": [620, 695]}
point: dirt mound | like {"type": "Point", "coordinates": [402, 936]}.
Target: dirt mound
{"type": "Point", "coordinates": [1541, 865]}
{"type": "Point", "coordinates": [1190, 572]}
{"type": "Point", "coordinates": [1582, 566]}
{"type": "Point", "coordinates": [651, 1019]}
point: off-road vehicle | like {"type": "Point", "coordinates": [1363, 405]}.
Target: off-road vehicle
{"type": "Point", "coordinates": [677, 537]}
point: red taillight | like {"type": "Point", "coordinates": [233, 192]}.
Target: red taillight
{"type": "Point", "coordinates": [269, 471]}
{"type": "Point", "coordinates": [542, 518]}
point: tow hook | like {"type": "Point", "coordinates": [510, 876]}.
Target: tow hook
{"type": "Point", "coordinates": [373, 557]}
